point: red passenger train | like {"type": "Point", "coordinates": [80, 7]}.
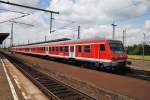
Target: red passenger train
{"type": "Point", "coordinates": [100, 52]}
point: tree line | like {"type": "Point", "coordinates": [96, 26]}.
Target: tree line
{"type": "Point", "coordinates": [137, 49]}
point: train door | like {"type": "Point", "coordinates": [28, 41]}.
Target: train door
{"type": "Point", "coordinates": [102, 52]}
{"type": "Point", "coordinates": [95, 48]}
{"type": "Point", "coordinates": [46, 50]}
{"type": "Point", "coordinates": [72, 52]}
{"type": "Point", "coordinates": [30, 50]}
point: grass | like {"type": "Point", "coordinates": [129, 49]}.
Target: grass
{"type": "Point", "coordinates": [140, 57]}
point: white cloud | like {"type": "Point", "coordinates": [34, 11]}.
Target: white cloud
{"type": "Point", "coordinates": [94, 14]}
{"type": "Point", "coordinates": [147, 24]}
{"type": "Point", "coordinates": [98, 10]}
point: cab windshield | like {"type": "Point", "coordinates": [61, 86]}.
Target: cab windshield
{"type": "Point", "coordinates": [116, 47]}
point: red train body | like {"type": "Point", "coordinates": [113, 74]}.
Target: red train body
{"type": "Point", "coordinates": [101, 52]}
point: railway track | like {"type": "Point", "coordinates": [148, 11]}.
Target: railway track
{"type": "Point", "coordinates": [129, 72]}
{"type": "Point", "coordinates": [140, 74]}
{"type": "Point", "coordinates": [53, 88]}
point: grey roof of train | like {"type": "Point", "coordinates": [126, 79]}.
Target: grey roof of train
{"type": "Point", "coordinates": [71, 41]}
{"type": "Point", "coordinates": [65, 41]}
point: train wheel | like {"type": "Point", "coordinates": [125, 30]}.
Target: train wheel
{"type": "Point", "coordinates": [101, 66]}
{"type": "Point", "coordinates": [86, 64]}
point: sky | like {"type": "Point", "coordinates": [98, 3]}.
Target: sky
{"type": "Point", "coordinates": [93, 16]}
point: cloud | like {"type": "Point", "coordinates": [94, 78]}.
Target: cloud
{"type": "Point", "coordinates": [99, 10]}
{"type": "Point", "coordinates": [94, 17]}
{"type": "Point", "coordinates": [147, 24]}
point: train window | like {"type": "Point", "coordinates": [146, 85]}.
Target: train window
{"type": "Point", "coordinates": [52, 48]}
{"type": "Point", "coordinates": [72, 48]}
{"type": "Point", "coordinates": [61, 48]}
{"type": "Point", "coordinates": [102, 47]}
{"type": "Point", "coordinates": [87, 49]}
{"type": "Point", "coordinates": [56, 48]}
{"type": "Point", "coordinates": [66, 49]}
{"type": "Point", "coordinates": [46, 48]}
{"type": "Point", "coordinates": [79, 48]}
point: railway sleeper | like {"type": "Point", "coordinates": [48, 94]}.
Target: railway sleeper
{"type": "Point", "coordinates": [57, 89]}
{"type": "Point", "coordinates": [35, 76]}
{"type": "Point", "coordinates": [61, 91]}
{"type": "Point", "coordinates": [44, 80]}
{"type": "Point", "coordinates": [49, 83]}
{"type": "Point", "coordinates": [66, 95]}
{"type": "Point", "coordinates": [75, 98]}
{"type": "Point", "coordinates": [53, 85]}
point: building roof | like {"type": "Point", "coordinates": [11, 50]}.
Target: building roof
{"type": "Point", "coordinates": [3, 36]}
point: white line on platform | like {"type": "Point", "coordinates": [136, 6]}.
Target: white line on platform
{"type": "Point", "coordinates": [15, 96]}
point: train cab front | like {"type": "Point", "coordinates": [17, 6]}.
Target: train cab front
{"type": "Point", "coordinates": [118, 54]}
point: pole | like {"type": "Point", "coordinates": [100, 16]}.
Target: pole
{"type": "Point", "coordinates": [51, 22]}
{"type": "Point", "coordinates": [114, 26]}
{"type": "Point", "coordinates": [45, 38]}
{"type": "Point", "coordinates": [78, 32]}
{"type": "Point", "coordinates": [123, 38]}
{"type": "Point", "coordinates": [143, 45]}
{"type": "Point", "coordinates": [4, 43]}
{"type": "Point", "coordinates": [11, 41]}
{"type": "Point", "coordinates": [28, 41]}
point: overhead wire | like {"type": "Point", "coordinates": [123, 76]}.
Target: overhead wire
{"type": "Point", "coordinates": [14, 18]}
{"type": "Point", "coordinates": [13, 11]}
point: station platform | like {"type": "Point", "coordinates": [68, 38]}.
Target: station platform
{"type": "Point", "coordinates": [9, 90]}
{"type": "Point", "coordinates": [15, 86]}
